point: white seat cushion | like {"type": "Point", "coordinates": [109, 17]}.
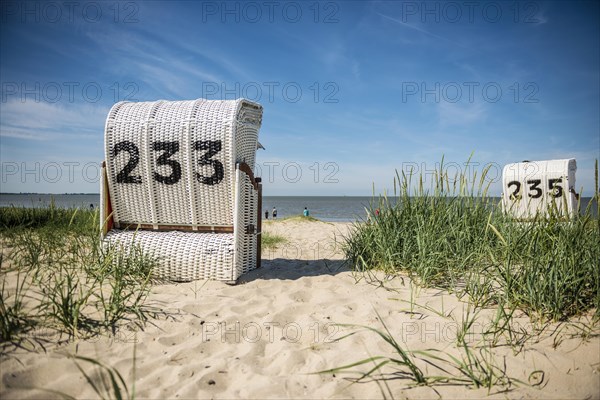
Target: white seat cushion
{"type": "Point", "coordinates": [181, 256]}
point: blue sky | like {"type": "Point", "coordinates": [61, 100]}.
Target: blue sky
{"type": "Point", "coordinates": [352, 91]}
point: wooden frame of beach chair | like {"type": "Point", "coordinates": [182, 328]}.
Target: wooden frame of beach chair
{"type": "Point", "coordinates": [177, 183]}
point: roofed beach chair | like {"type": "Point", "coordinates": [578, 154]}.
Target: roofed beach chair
{"type": "Point", "coordinates": [534, 188]}
{"type": "Point", "coordinates": [178, 184]}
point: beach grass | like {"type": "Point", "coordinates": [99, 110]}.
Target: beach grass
{"type": "Point", "coordinates": [271, 240]}
{"type": "Point", "coordinates": [451, 237]}
{"type": "Point", "coordinates": [456, 238]}
{"type": "Point", "coordinates": [106, 381]}
{"type": "Point", "coordinates": [66, 281]}
{"type": "Point", "coordinates": [475, 365]}
{"type": "Point", "coordinates": [51, 216]}
{"type": "Point", "coordinates": [14, 320]}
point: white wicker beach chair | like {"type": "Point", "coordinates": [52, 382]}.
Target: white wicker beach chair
{"type": "Point", "coordinates": [538, 187]}
{"type": "Point", "coordinates": [178, 183]}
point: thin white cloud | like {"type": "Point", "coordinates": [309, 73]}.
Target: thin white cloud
{"type": "Point", "coordinates": [24, 134]}
{"type": "Point", "coordinates": [46, 121]}
{"type": "Point", "coordinates": [161, 79]}
{"type": "Point", "coordinates": [216, 56]}
{"type": "Point", "coordinates": [422, 30]}
{"type": "Point", "coordinates": [459, 114]}
{"type": "Point", "coordinates": [167, 69]}
{"type": "Point", "coordinates": [178, 57]}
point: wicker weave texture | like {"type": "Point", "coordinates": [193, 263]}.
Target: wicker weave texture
{"type": "Point", "coordinates": [247, 216]}
{"type": "Point", "coordinates": [186, 256]}
{"type": "Point", "coordinates": [173, 162]}
{"type": "Point", "coordinates": [181, 256]}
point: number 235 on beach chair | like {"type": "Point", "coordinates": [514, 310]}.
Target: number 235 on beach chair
{"type": "Point", "coordinates": [540, 188]}
{"type": "Point", "coordinates": [178, 184]}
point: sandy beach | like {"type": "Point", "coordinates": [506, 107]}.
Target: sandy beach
{"type": "Point", "coordinates": [267, 336]}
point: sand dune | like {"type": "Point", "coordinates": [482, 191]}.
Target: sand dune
{"type": "Point", "coordinates": [268, 335]}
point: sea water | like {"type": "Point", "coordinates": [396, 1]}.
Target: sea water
{"type": "Point", "coordinates": [326, 208]}
{"type": "Point", "coordinates": [330, 208]}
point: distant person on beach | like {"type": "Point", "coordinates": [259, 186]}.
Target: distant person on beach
{"type": "Point", "coordinates": [306, 213]}
{"type": "Point", "coordinates": [91, 206]}
{"type": "Point", "coordinates": [266, 214]}
{"type": "Point", "coordinates": [274, 213]}
{"type": "Point", "coordinates": [377, 212]}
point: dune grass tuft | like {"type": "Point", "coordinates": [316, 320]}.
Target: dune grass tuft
{"type": "Point", "coordinates": [456, 238]}
{"type": "Point", "coordinates": [271, 240]}
{"type": "Point", "coordinates": [66, 281]}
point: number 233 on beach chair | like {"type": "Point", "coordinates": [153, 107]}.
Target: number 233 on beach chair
{"type": "Point", "coordinates": [178, 184]}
